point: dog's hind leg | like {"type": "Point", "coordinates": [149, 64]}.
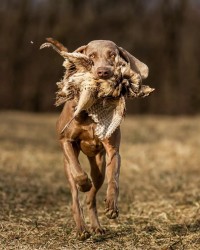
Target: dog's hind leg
{"type": "Point", "coordinates": [82, 232]}
{"type": "Point", "coordinates": [97, 164]}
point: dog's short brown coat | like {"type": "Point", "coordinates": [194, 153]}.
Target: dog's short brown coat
{"type": "Point", "coordinates": [103, 155]}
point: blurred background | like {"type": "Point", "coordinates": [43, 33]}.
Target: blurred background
{"type": "Point", "coordinates": [164, 34]}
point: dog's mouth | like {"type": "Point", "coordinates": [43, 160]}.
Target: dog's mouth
{"type": "Point", "coordinates": [104, 78]}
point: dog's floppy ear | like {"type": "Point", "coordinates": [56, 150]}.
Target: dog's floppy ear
{"type": "Point", "coordinates": [136, 64]}
{"type": "Point", "coordinates": [81, 49]}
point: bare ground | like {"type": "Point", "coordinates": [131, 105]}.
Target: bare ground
{"type": "Point", "coordinates": [159, 186]}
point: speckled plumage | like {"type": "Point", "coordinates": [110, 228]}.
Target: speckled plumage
{"type": "Point", "coordinates": [104, 100]}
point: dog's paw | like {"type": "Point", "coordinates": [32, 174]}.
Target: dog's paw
{"type": "Point", "coordinates": [98, 231]}
{"type": "Point", "coordinates": [112, 214]}
{"type": "Point", "coordinates": [111, 209]}
{"type": "Point", "coordinates": [84, 184]}
{"type": "Point", "coordinates": [83, 235]}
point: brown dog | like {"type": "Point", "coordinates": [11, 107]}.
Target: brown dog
{"type": "Point", "coordinates": [103, 155]}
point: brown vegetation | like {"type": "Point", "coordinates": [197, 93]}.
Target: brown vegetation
{"type": "Point", "coordinates": [159, 186]}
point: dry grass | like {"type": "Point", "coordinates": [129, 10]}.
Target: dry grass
{"type": "Point", "coordinates": [159, 196]}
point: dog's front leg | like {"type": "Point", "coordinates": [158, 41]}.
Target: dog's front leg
{"type": "Point", "coordinates": [82, 231]}
{"type": "Point", "coordinates": [71, 152]}
{"type": "Point", "coordinates": [113, 161]}
{"type": "Point", "coordinates": [78, 179]}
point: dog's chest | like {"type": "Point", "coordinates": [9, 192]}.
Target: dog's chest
{"type": "Point", "coordinates": [89, 142]}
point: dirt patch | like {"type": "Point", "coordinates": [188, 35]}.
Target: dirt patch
{"type": "Point", "coordinates": [159, 186]}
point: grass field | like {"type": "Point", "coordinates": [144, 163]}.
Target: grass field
{"type": "Point", "coordinates": [159, 186]}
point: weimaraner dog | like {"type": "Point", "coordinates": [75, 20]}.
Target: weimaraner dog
{"type": "Point", "coordinates": [103, 155]}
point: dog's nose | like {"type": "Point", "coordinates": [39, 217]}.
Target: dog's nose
{"type": "Point", "coordinates": [104, 72]}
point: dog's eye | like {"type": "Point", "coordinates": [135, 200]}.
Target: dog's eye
{"type": "Point", "coordinates": [112, 55]}
{"type": "Point", "coordinates": [92, 56]}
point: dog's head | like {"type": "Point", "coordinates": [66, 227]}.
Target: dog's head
{"type": "Point", "coordinates": [104, 54]}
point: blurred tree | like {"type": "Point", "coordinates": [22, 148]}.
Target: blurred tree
{"type": "Point", "coordinates": [164, 34]}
